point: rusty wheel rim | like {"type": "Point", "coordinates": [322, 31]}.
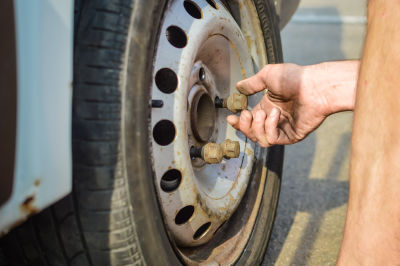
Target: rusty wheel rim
{"type": "Point", "coordinates": [198, 200]}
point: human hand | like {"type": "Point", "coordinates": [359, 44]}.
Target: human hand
{"type": "Point", "coordinates": [291, 109]}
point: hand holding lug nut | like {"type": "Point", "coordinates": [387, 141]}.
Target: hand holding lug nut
{"type": "Point", "coordinates": [235, 103]}
{"type": "Point", "coordinates": [213, 153]}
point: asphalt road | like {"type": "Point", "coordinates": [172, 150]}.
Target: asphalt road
{"type": "Point", "coordinates": [311, 213]}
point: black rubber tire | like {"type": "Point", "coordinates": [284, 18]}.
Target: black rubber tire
{"type": "Point", "coordinates": [112, 217]}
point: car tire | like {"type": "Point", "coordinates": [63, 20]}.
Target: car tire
{"type": "Point", "coordinates": [113, 216]}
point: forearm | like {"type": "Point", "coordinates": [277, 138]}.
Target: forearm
{"type": "Point", "coordinates": [335, 82]}
{"type": "Point", "coordinates": [372, 231]}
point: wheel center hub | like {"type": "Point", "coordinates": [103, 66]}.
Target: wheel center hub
{"type": "Point", "coordinates": [202, 114]}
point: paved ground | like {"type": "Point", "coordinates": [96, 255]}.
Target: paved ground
{"type": "Point", "coordinates": [309, 224]}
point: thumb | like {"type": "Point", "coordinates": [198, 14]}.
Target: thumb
{"type": "Point", "coordinates": [270, 76]}
{"type": "Point", "coordinates": [253, 84]}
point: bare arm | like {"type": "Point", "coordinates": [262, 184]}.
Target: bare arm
{"type": "Point", "coordinates": [372, 230]}
{"type": "Point", "coordinates": [337, 82]}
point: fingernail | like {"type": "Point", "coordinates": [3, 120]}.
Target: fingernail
{"type": "Point", "coordinates": [274, 112]}
{"type": "Point", "coordinates": [230, 119]}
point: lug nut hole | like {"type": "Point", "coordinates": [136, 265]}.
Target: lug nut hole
{"type": "Point", "coordinates": [184, 215]}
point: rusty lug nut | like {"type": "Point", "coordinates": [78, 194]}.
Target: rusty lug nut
{"type": "Point", "coordinates": [230, 149]}
{"type": "Point", "coordinates": [235, 103]}
{"type": "Point", "coordinates": [212, 153]}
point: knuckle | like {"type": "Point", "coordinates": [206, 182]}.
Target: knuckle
{"type": "Point", "coordinates": [263, 144]}
{"type": "Point", "coordinates": [271, 139]}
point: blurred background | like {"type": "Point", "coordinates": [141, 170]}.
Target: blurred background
{"type": "Point", "coordinates": [312, 207]}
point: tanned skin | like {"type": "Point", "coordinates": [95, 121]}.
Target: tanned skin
{"type": "Point", "coordinates": [372, 230]}
{"type": "Point", "coordinates": [299, 98]}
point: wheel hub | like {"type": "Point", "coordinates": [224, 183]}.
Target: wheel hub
{"type": "Point", "coordinates": [202, 114]}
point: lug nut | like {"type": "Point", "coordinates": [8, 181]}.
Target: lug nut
{"type": "Point", "coordinates": [213, 153]}
{"type": "Point", "coordinates": [235, 103]}
{"type": "Point", "coordinates": [230, 149]}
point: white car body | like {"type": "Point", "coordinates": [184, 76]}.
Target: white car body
{"type": "Point", "coordinates": [43, 160]}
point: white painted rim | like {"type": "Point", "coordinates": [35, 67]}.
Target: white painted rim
{"type": "Point", "coordinates": [216, 43]}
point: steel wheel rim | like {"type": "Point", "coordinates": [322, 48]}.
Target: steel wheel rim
{"type": "Point", "coordinates": [192, 230]}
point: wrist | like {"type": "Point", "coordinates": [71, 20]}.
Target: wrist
{"type": "Point", "coordinates": [332, 84]}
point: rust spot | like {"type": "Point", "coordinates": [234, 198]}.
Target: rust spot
{"type": "Point", "coordinates": [37, 182]}
{"type": "Point", "coordinates": [28, 207]}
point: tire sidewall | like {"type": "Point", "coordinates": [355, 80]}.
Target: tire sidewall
{"type": "Point", "coordinates": [152, 234]}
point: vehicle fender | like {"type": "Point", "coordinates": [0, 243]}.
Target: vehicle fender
{"type": "Point", "coordinates": [44, 57]}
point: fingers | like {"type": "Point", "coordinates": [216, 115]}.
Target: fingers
{"type": "Point", "coordinates": [266, 129]}
{"type": "Point", "coordinates": [242, 123]}
{"type": "Point", "coordinates": [271, 127]}
{"type": "Point", "coordinates": [233, 120]}
{"type": "Point", "coordinates": [259, 126]}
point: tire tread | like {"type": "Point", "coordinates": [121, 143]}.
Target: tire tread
{"type": "Point", "coordinates": [93, 225]}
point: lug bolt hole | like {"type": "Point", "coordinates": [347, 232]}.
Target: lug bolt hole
{"type": "Point", "coordinates": [202, 74]}
{"type": "Point", "coordinates": [184, 215]}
